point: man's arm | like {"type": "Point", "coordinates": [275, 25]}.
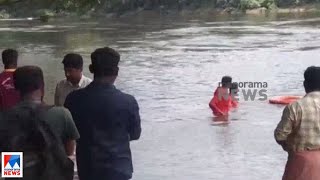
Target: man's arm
{"type": "Point", "coordinates": [67, 102]}
{"type": "Point", "coordinates": [134, 121]}
{"type": "Point", "coordinates": [70, 147]}
{"type": "Point", "coordinates": [216, 111]}
{"type": "Point", "coordinates": [2, 108]}
{"type": "Point", "coordinates": [57, 96]}
{"type": "Point", "coordinates": [284, 127]}
{"type": "Point", "coordinates": [71, 133]}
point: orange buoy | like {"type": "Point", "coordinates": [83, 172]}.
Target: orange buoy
{"type": "Point", "coordinates": [284, 99]}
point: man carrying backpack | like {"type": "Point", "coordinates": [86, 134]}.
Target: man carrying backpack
{"type": "Point", "coordinates": [53, 126]}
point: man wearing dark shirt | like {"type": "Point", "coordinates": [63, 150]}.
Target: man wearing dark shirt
{"type": "Point", "coordinates": [9, 96]}
{"type": "Point", "coordinates": [28, 80]}
{"type": "Point", "coordinates": [107, 120]}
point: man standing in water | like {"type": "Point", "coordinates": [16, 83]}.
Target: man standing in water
{"type": "Point", "coordinates": [299, 131]}
{"type": "Point", "coordinates": [9, 96]}
{"type": "Point", "coordinates": [221, 101]}
{"type": "Point", "coordinates": [107, 120]}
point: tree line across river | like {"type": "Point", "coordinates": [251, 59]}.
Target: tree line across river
{"type": "Point", "coordinates": [121, 6]}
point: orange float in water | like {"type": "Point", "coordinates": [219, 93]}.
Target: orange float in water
{"type": "Point", "coordinates": [284, 99]}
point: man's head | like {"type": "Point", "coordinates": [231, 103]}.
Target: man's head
{"type": "Point", "coordinates": [10, 58]}
{"type": "Point", "coordinates": [28, 80]}
{"type": "Point", "coordinates": [234, 88]}
{"type": "Point", "coordinates": [73, 65]}
{"type": "Point", "coordinates": [104, 63]}
{"type": "Point", "coordinates": [312, 79]}
{"type": "Point", "coordinates": [226, 81]}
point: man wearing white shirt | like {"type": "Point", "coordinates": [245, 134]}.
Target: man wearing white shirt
{"type": "Point", "coordinates": [73, 66]}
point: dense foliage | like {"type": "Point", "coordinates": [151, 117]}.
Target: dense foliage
{"type": "Point", "coordinates": [119, 6]}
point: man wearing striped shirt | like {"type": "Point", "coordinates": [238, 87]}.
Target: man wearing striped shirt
{"type": "Point", "coordinates": [299, 131]}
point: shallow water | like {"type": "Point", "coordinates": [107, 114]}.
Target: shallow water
{"type": "Point", "coordinates": [172, 66]}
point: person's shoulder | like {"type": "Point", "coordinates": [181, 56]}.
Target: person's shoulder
{"type": "Point", "coordinates": [86, 80]}
{"type": "Point", "coordinates": [58, 116]}
{"type": "Point", "coordinates": [123, 94]}
{"type": "Point", "coordinates": [221, 90]}
{"type": "Point", "coordinates": [73, 94]}
{"type": "Point", "coordinates": [58, 111]}
{"type": "Point", "coordinates": [307, 101]}
{"type": "Point", "coordinates": [76, 94]}
{"type": "Point", "coordinates": [297, 105]}
{"type": "Point", "coordinates": [5, 75]}
{"type": "Point", "coordinates": [304, 101]}
{"type": "Point", "coordinates": [127, 96]}
{"type": "Point", "coordinates": [62, 82]}
{"type": "Point", "coordinates": [18, 107]}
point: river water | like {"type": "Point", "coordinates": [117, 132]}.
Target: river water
{"type": "Point", "coordinates": [172, 65]}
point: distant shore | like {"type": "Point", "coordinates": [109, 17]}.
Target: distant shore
{"type": "Point", "coordinates": [46, 14]}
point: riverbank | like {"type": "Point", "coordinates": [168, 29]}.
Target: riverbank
{"type": "Point", "coordinates": [44, 14]}
{"type": "Point", "coordinates": [312, 8]}
{"type": "Point", "coordinates": [172, 66]}
{"type": "Point", "coordinates": [218, 12]}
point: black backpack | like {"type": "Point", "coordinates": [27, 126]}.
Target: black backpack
{"type": "Point", "coordinates": [24, 130]}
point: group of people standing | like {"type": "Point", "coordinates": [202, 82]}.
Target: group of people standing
{"type": "Point", "coordinates": [92, 118]}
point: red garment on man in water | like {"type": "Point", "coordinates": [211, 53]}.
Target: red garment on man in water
{"type": "Point", "coordinates": [9, 96]}
{"type": "Point", "coordinates": [221, 102]}
{"type": "Point", "coordinates": [234, 103]}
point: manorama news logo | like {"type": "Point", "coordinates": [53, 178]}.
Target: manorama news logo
{"type": "Point", "coordinates": [249, 91]}
{"type": "Point", "coordinates": [12, 164]}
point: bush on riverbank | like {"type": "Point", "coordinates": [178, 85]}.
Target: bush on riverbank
{"type": "Point", "coordinates": [30, 7]}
